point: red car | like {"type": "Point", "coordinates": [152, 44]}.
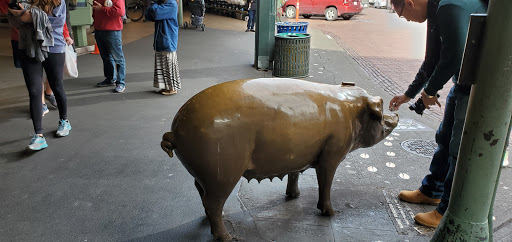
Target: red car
{"type": "Point", "coordinates": [332, 9]}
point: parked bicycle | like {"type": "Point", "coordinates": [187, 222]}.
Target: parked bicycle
{"type": "Point", "coordinates": [135, 10]}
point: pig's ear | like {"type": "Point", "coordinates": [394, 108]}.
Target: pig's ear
{"type": "Point", "coordinates": [375, 107]}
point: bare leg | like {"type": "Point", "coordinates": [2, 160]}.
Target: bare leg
{"type": "Point", "coordinates": [43, 103]}
{"type": "Point", "coordinates": [292, 189]}
{"type": "Point", "coordinates": [48, 94]}
{"type": "Point", "coordinates": [47, 89]}
{"type": "Point", "coordinates": [42, 96]}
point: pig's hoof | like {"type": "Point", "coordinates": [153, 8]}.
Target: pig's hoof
{"type": "Point", "coordinates": [293, 194]}
{"type": "Point", "coordinates": [326, 210]}
{"type": "Point", "coordinates": [223, 237]}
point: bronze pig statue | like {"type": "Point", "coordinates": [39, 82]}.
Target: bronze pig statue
{"type": "Point", "coordinates": [271, 127]}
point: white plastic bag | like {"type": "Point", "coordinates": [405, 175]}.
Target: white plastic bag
{"type": "Point", "coordinates": [70, 65]}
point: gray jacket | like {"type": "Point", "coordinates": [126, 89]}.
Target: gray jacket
{"type": "Point", "coordinates": [36, 37]}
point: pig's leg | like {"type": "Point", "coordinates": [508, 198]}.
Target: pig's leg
{"type": "Point", "coordinates": [213, 201]}
{"type": "Point", "coordinates": [292, 189]}
{"type": "Point", "coordinates": [324, 175]}
{"type": "Point", "coordinates": [328, 161]}
{"type": "Point", "coordinates": [201, 192]}
{"type": "Point", "coordinates": [199, 188]}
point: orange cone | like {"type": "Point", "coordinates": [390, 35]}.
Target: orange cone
{"type": "Point", "coordinates": [96, 50]}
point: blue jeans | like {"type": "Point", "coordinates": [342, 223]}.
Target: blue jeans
{"type": "Point", "coordinates": [252, 19]}
{"type": "Point", "coordinates": [438, 183]}
{"type": "Point", "coordinates": [110, 45]}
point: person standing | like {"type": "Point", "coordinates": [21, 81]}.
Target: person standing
{"type": "Point", "coordinates": [44, 50]}
{"type": "Point", "coordinates": [68, 37]}
{"type": "Point", "coordinates": [253, 5]}
{"type": "Point", "coordinates": [166, 75]}
{"type": "Point", "coordinates": [47, 90]}
{"type": "Point", "coordinates": [147, 4]}
{"type": "Point", "coordinates": [108, 23]}
{"type": "Point", "coordinates": [447, 27]}
{"type": "Point", "coordinates": [16, 52]}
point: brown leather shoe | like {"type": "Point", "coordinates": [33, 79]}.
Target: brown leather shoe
{"type": "Point", "coordinates": [417, 197]}
{"type": "Point", "coordinates": [430, 219]}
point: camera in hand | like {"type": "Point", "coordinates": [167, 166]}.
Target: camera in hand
{"type": "Point", "coordinates": [419, 106]}
{"type": "Point", "coordinates": [13, 4]}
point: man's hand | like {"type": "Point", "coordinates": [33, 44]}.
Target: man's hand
{"type": "Point", "coordinates": [96, 5]}
{"type": "Point", "coordinates": [429, 100]}
{"type": "Point", "coordinates": [69, 40]}
{"type": "Point", "coordinates": [396, 101]}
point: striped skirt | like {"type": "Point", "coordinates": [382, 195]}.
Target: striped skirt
{"type": "Point", "coordinates": [167, 73]}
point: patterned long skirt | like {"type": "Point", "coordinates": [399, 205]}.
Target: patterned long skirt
{"type": "Point", "coordinates": [167, 73]}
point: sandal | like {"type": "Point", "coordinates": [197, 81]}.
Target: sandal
{"type": "Point", "coordinates": [168, 92]}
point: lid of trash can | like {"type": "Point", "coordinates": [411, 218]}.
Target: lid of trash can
{"type": "Point", "coordinates": [292, 23]}
{"type": "Point", "coordinates": [292, 35]}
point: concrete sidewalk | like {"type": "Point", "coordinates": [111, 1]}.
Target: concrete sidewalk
{"type": "Point", "coordinates": [110, 181]}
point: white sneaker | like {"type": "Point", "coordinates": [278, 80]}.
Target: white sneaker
{"type": "Point", "coordinates": [37, 143]}
{"type": "Point", "coordinates": [64, 128]}
{"type": "Point", "coordinates": [45, 109]}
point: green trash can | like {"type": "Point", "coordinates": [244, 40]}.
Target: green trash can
{"type": "Point", "coordinates": [291, 57]}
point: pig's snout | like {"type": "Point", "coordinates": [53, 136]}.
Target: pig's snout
{"type": "Point", "coordinates": [390, 122]}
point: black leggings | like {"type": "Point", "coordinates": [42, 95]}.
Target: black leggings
{"type": "Point", "coordinates": [33, 73]}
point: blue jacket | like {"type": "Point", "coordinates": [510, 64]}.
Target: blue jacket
{"type": "Point", "coordinates": [447, 28]}
{"type": "Point", "coordinates": [165, 16]}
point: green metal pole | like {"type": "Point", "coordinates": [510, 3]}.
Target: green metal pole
{"type": "Point", "coordinates": [484, 135]}
{"type": "Point", "coordinates": [80, 35]}
{"type": "Point", "coordinates": [180, 13]}
{"type": "Point", "coordinates": [265, 31]}
{"type": "Point", "coordinates": [490, 217]}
